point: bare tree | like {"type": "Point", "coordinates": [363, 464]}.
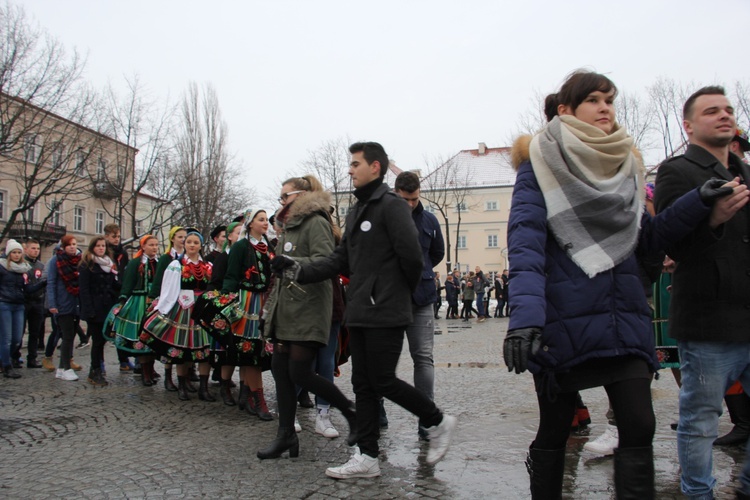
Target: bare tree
{"type": "Point", "coordinates": [330, 164]}
{"type": "Point", "coordinates": [211, 191]}
{"type": "Point", "coordinates": [667, 98]}
{"type": "Point", "coordinates": [636, 115]}
{"type": "Point", "coordinates": [145, 125]}
{"type": "Point", "coordinates": [533, 119]}
{"type": "Point", "coordinates": [741, 99]}
{"type": "Point", "coordinates": [447, 189]}
{"type": "Point", "coordinates": [44, 109]}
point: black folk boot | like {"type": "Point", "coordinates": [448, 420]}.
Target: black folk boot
{"type": "Point", "coordinates": [739, 412]}
{"type": "Point", "coordinates": [634, 473]}
{"type": "Point", "coordinates": [168, 382]}
{"type": "Point", "coordinates": [203, 392]}
{"type": "Point", "coordinates": [226, 393]}
{"type": "Point", "coordinates": [286, 439]}
{"type": "Point", "coordinates": [242, 396]}
{"type": "Point", "coordinates": [182, 392]}
{"type": "Point", "coordinates": [546, 469]}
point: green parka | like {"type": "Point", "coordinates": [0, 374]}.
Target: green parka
{"type": "Point", "coordinates": [303, 312]}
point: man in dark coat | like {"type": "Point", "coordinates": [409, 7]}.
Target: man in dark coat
{"type": "Point", "coordinates": [35, 312]}
{"type": "Point", "coordinates": [380, 252]}
{"type": "Point", "coordinates": [421, 331]}
{"type": "Point", "coordinates": [710, 308]}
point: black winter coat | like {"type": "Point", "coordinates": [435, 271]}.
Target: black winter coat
{"type": "Point", "coordinates": [381, 254]}
{"type": "Point", "coordinates": [711, 285]}
{"type": "Point", "coordinates": [98, 292]}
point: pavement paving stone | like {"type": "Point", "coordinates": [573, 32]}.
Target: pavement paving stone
{"type": "Point", "coordinates": [72, 440]}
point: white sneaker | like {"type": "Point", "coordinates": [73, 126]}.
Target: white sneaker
{"type": "Point", "coordinates": [440, 438]}
{"type": "Point", "coordinates": [68, 375]}
{"type": "Point", "coordinates": [604, 444]}
{"type": "Point", "coordinates": [323, 425]}
{"type": "Point", "coordinates": [357, 466]}
{"type": "Point", "coordinates": [59, 373]}
{"type": "Point", "coordinates": [297, 427]}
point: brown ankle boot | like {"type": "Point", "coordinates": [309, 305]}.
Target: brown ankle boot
{"type": "Point", "coordinates": [257, 403]}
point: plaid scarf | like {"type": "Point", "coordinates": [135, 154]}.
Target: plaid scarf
{"type": "Point", "coordinates": [67, 267]}
{"type": "Point", "coordinates": [593, 187]}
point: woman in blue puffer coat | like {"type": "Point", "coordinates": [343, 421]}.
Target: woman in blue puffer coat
{"type": "Point", "coordinates": [579, 316]}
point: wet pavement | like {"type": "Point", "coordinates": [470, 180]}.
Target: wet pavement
{"type": "Point", "coordinates": [69, 439]}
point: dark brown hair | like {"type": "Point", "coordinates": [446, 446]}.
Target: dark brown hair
{"type": "Point", "coordinates": [687, 109]}
{"type": "Point", "coordinates": [575, 90]}
{"type": "Point", "coordinates": [372, 151]}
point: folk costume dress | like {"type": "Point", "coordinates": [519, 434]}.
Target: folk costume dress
{"type": "Point", "coordinates": [234, 315]}
{"type": "Point", "coordinates": [169, 330]}
{"type": "Point", "coordinates": [128, 317]}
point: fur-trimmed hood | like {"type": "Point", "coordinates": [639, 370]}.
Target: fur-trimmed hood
{"type": "Point", "coordinates": [304, 206]}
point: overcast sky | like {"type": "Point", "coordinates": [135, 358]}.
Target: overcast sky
{"type": "Point", "coordinates": [424, 78]}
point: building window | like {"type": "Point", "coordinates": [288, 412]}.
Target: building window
{"type": "Point", "coordinates": [56, 213]}
{"type": "Point", "coordinates": [101, 170]}
{"type": "Point", "coordinates": [343, 211]}
{"type": "Point", "coordinates": [78, 218]}
{"type": "Point", "coordinates": [138, 228]}
{"type": "Point", "coordinates": [58, 157]}
{"type": "Point", "coordinates": [490, 206]}
{"type": "Point", "coordinates": [30, 214]}
{"type": "Point", "coordinates": [120, 175]}
{"type": "Point", "coordinates": [31, 148]}
{"type": "Point", "coordinates": [80, 169]}
{"type": "Point", "coordinates": [99, 222]}
{"type": "Point", "coordinates": [492, 240]}
{"type": "Point", "coordinates": [429, 208]}
{"type": "Point", "coordinates": [3, 197]}
{"type": "Point", "coordinates": [460, 207]}
{"type": "Point", "coordinates": [461, 242]}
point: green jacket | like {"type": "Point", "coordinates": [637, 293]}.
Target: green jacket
{"type": "Point", "coordinates": [303, 312]}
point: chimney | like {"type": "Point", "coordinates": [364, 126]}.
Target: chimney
{"type": "Point", "coordinates": [482, 148]}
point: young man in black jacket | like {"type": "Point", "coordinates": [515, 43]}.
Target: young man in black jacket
{"type": "Point", "coordinates": [380, 252]}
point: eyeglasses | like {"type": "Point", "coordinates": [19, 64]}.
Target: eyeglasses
{"type": "Point", "coordinates": [286, 196]}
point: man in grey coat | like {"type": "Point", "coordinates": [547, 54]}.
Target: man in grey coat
{"type": "Point", "coordinates": [381, 254]}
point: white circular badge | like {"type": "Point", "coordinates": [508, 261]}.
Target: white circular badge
{"type": "Point", "coordinates": [366, 226]}
{"type": "Point", "coordinates": [288, 246]}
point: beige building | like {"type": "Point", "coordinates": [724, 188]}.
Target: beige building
{"type": "Point", "coordinates": [58, 177]}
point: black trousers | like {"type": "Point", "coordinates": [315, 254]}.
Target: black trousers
{"type": "Point", "coordinates": [35, 327]}
{"type": "Point", "coordinates": [94, 330]}
{"type": "Point", "coordinates": [630, 400]}
{"type": "Point", "coordinates": [375, 353]}
{"type": "Point", "coordinates": [68, 325]}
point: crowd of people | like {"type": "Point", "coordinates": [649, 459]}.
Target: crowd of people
{"type": "Point", "coordinates": [600, 263]}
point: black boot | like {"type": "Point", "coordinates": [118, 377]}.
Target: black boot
{"type": "Point", "coordinates": [96, 378]}
{"type": "Point", "coordinates": [303, 398]}
{"type": "Point", "coordinates": [182, 392]}
{"type": "Point", "coordinates": [634, 473]}
{"type": "Point", "coordinates": [9, 372]}
{"type": "Point", "coordinates": [739, 412]}
{"type": "Point", "coordinates": [351, 419]}
{"type": "Point", "coordinates": [189, 386]}
{"type": "Point", "coordinates": [146, 369]}
{"type": "Point", "coordinates": [226, 393]}
{"type": "Point", "coordinates": [203, 393]}
{"type": "Point", "coordinates": [286, 439]}
{"type": "Point", "coordinates": [242, 396]}
{"type": "Point", "coordinates": [546, 473]}
{"type": "Point", "coordinates": [168, 383]}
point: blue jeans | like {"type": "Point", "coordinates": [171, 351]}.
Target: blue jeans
{"type": "Point", "coordinates": [480, 304]}
{"type": "Point", "coordinates": [708, 369]}
{"type": "Point", "coordinates": [421, 336]}
{"type": "Point", "coordinates": [11, 329]}
{"type": "Point", "coordinates": [326, 360]}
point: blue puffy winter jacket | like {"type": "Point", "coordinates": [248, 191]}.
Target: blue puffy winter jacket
{"type": "Point", "coordinates": [583, 318]}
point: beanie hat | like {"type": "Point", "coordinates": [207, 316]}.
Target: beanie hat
{"type": "Point", "coordinates": [12, 245]}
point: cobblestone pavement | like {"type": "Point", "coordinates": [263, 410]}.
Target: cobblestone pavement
{"type": "Point", "coordinates": [69, 439]}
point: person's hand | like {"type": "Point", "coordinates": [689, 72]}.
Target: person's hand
{"type": "Point", "coordinates": [519, 345]}
{"type": "Point", "coordinates": [53, 310]}
{"type": "Point", "coordinates": [281, 262]}
{"type": "Point", "coordinates": [714, 188]}
{"type": "Point", "coordinates": [725, 207]}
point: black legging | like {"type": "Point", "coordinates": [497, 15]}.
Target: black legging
{"type": "Point", "coordinates": [94, 330]}
{"type": "Point", "coordinates": [630, 400]}
{"type": "Point", "coordinates": [468, 308]}
{"type": "Point", "coordinates": [293, 364]}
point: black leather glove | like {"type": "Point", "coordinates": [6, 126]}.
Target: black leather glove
{"type": "Point", "coordinates": [281, 262]}
{"type": "Point", "coordinates": [712, 190]}
{"type": "Point", "coordinates": [519, 345]}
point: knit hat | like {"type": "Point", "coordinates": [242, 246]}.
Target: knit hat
{"type": "Point", "coordinates": [741, 137]}
{"type": "Point", "coordinates": [217, 230]}
{"type": "Point", "coordinates": [12, 245]}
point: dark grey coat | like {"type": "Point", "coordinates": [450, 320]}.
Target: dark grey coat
{"type": "Point", "coordinates": [711, 285]}
{"type": "Point", "coordinates": [380, 252]}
